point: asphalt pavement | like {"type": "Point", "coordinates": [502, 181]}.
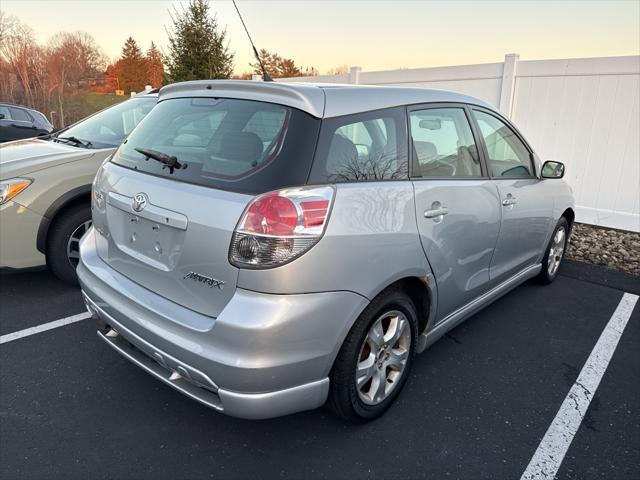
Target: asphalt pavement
{"type": "Point", "coordinates": [477, 404]}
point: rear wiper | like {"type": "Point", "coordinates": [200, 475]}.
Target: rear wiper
{"type": "Point", "coordinates": [75, 140]}
{"type": "Point", "coordinates": [168, 161]}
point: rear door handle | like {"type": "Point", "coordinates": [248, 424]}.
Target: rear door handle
{"type": "Point", "coordinates": [509, 200]}
{"type": "Point", "coordinates": [436, 212]}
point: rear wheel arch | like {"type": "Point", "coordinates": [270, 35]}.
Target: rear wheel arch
{"type": "Point", "coordinates": [73, 197]}
{"type": "Point", "coordinates": [420, 291]}
{"type": "Point", "coordinates": [420, 294]}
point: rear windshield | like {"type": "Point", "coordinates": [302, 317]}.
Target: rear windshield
{"type": "Point", "coordinates": [240, 145]}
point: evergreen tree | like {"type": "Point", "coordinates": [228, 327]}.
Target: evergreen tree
{"type": "Point", "coordinates": [279, 67]}
{"type": "Point", "coordinates": [197, 45]}
{"type": "Point", "coordinates": [132, 73]}
{"type": "Point", "coordinates": [155, 66]}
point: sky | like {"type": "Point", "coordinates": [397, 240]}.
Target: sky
{"type": "Point", "coordinates": [373, 34]}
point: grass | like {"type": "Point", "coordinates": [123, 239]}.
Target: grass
{"type": "Point", "coordinates": [98, 101]}
{"type": "Point", "coordinates": [81, 105]}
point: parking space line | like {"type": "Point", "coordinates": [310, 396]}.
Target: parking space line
{"type": "Point", "coordinates": [9, 337]}
{"type": "Point", "coordinates": [554, 445]}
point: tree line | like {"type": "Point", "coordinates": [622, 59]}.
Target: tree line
{"type": "Point", "coordinates": [54, 78]}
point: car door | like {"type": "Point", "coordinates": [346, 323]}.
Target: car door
{"type": "Point", "coordinates": [526, 210]}
{"type": "Point", "coordinates": [457, 205]}
{"type": "Point", "coordinates": [6, 128]}
{"type": "Point", "coordinates": [22, 124]}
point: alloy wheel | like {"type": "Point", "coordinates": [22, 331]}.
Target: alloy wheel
{"type": "Point", "coordinates": [73, 245]}
{"type": "Point", "coordinates": [383, 357]}
{"type": "Point", "coordinates": [556, 251]}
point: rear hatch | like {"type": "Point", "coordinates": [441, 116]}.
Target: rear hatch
{"type": "Point", "coordinates": [165, 218]}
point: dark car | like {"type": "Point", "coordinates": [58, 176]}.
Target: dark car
{"type": "Point", "coordinates": [18, 122]}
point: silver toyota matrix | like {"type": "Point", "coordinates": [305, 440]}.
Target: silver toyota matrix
{"type": "Point", "coordinates": [267, 248]}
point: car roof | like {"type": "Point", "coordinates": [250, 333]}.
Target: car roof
{"type": "Point", "coordinates": [147, 93]}
{"type": "Point", "coordinates": [15, 105]}
{"type": "Point", "coordinates": [319, 100]}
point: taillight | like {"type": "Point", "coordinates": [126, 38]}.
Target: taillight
{"type": "Point", "coordinates": [279, 226]}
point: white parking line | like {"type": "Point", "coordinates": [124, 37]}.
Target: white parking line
{"type": "Point", "coordinates": [548, 457]}
{"type": "Point", "coordinates": [9, 337]}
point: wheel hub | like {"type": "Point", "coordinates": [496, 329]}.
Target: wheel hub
{"type": "Point", "coordinates": [556, 251]}
{"type": "Point", "coordinates": [383, 357]}
{"type": "Point", "coordinates": [73, 244]}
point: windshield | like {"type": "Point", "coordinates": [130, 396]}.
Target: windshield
{"type": "Point", "coordinates": [232, 144]}
{"type": "Point", "coordinates": [108, 128]}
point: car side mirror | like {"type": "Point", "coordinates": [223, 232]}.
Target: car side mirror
{"type": "Point", "coordinates": [552, 169]}
{"type": "Point", "coordinates": [1, 116]}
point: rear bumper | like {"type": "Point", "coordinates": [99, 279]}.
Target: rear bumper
{"type": "Point", "coordinates": [264, 356]}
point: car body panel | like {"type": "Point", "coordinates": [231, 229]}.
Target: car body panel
{"type": "Point", "coordinates": [319, 100]}
{"type": "Point", "coordinates": [524, 227]}
{"type": "Point", "coordinates": [160, 254]}
{"type": "Point", "coordinates": [460, 244]}
{"type": "Point", "coordinates": [367, 218]}
{"type": "Point", "coordinates": [23, 157]}
{"type": "Point", "coordinates": [15, 253]}
{"type": "Point", "coordinates": [250, 347]}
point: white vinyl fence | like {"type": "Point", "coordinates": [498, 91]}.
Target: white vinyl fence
{"type": "Point", "coordinates": [583, 112]}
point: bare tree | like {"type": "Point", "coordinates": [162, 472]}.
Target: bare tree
{"type": "Point", "coordinates": [7, 24]}
{"type": "Point", "coordinates": [374, 165]}
{"type": "Point", "coordinates": [8, 81]}
{"type": "Point", "coordinates": [72, 59]}
{"type": "Point", "coordinates": [339, 70]}
{"type": "Point", "coordinates": [19, 49]}
{"type": "Point", "coordinates": [280, 67]}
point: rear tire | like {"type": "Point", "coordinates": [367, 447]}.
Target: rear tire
{"type": "Point", "coordinates": [354, 394]}
{"type": "Point", "coordinates": [63, 241]}
{"type": "Point", "coordinates": [555, 252]}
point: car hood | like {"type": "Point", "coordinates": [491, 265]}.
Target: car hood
{"type": "Point", "coordinates": [23, 157]}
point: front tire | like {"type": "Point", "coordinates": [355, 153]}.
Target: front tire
{"type": "Point", "coordinates": [63, 241]}
{"type": "Point", "coordinates": [555, 252]}
{"type": "Point", "coordinates": [375, 359]}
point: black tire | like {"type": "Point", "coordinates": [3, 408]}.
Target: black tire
{"type": "Point", "coordinates": [545, 277]}
{"type": "Point", "coordinates": [64, 225]}
{"type": "Point", "coordinates": [344, 399]}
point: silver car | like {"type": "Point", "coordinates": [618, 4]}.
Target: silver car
{"type": "Point", "coordinates": [268, 248]}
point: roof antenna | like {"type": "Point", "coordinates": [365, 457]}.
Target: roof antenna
{"type": "Point", "coordinates": [265, 75]}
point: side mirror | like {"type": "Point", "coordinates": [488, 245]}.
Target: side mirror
{"type": "Point", "coordinates": [1, 116]}
{"type": "Point", "coordinates": [552, 169]}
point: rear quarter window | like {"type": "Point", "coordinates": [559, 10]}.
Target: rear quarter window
{"type": "Point", "coordinates": [19, 115]}
{"type": "Point", "coordinates": [370, 146]}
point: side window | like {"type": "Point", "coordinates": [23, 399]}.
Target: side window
{"type": "Point", "coordinates": [508, 157]}
{"type": "Point", "coordinates": [19, 115]}
{"type": "Point", "coordinates": [443, 144]}
{"type": "Point", "coordinates": [364, 147]}
{"type": "Point", "coordinates": [5, 112]}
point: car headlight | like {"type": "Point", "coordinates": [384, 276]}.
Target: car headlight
{"type": "Point", "coordinates": [12, 187]}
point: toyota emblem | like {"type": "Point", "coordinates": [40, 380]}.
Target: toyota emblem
{"type": "Point", "coordinates": [139, 202]}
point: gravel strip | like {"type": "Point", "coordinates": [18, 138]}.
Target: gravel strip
{"type": "Point", "coordinates": [615, 249]}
